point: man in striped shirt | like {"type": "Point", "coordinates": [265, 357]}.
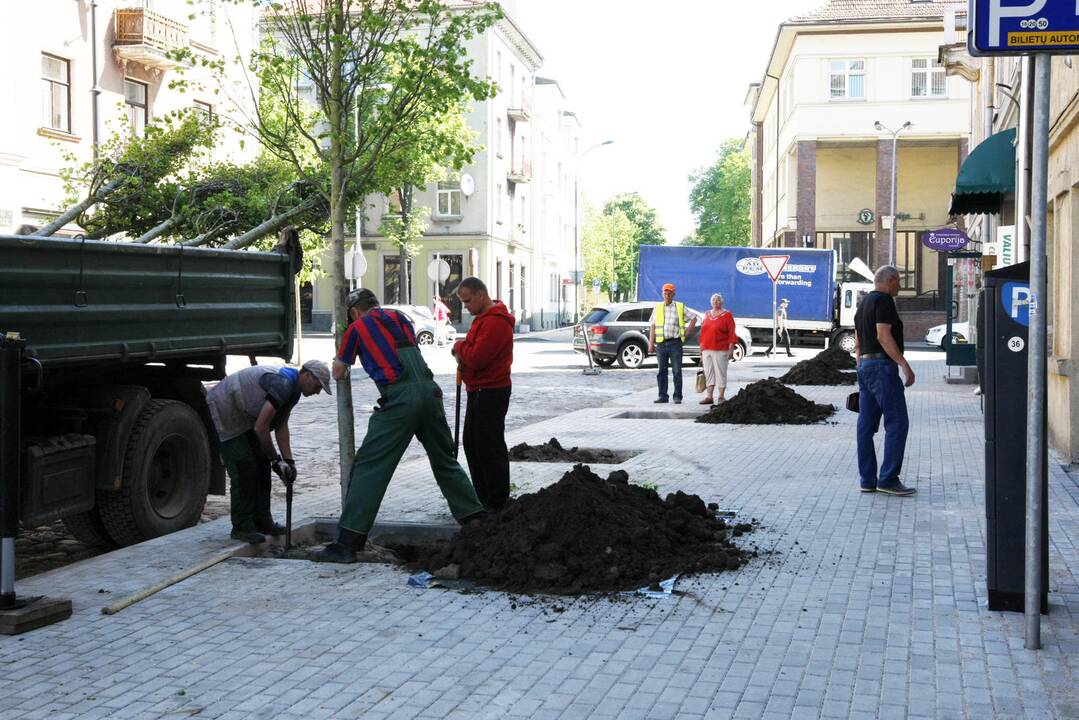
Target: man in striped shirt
{"type": "Point", "coordinates": [410, 406]}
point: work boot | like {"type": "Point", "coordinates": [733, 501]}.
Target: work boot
{"type": "Point", "coordinates": [344, 550]}
{"type": "Point", "coordinates": [248, 536]}
{"type": "Point", "coordinates": [273, 529]}
{"type": "Point", "coordinates": [481, 515]}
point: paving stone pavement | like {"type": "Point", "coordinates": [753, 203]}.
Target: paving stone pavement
{"type": "Point", "coordinates": [859, 606]}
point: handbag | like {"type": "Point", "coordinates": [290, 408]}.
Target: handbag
{"type": "Point", "coordinates": [852, 401]}
{"type": "Point", "coordinates": [701, 384]}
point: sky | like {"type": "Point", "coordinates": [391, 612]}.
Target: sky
{"type": "Point", "coordinates": [665, 80]}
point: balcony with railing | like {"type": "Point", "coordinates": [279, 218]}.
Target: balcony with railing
{"type": "Point", "coordinates": [148, 38]}
{"type": "Point", "coordinates": [520, 171]}
{"type": "Point", "coordinates": [520, 109]}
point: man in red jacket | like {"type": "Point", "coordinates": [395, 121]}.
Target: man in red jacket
{"type": "Point", "coordinates": [485, 356]}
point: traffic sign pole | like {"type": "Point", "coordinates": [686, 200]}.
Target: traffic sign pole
{"type": "Point", "coordinates": [1036, 355]}
{"type": "Point", "coordinates": [773, 265]}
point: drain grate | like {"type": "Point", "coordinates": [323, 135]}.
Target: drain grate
{"type": "Point", "coordinates": [656, 415]}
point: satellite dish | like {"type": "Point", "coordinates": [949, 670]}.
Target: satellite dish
{"type": "Point", "coordinates": [438, 270]}
{"type": "Point", "coordinates": [468, 185]}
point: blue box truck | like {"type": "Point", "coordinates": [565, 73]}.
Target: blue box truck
{"type": "Point", "coordinates": [821, 308]}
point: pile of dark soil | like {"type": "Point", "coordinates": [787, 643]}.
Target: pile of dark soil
{"type": "Point", "coordinates": [587, 534]}
{"type": "Point", "coordinates": [552, 451]}
{"type": "Point", "coordinates": [768, 402]}
{"type": "Point", "coordinates": [837, 358]}
{"type": "Point", "coordinates": [817, 372]}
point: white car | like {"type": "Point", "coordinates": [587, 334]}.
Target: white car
{"type": "Point", "coordinates": [423, 322]}
{"type": "Point", "coordinates": [960, 334]}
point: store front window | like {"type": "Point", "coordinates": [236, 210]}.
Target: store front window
{"type": "Point", "coordinates": [847, 246]}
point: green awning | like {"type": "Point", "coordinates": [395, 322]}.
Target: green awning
{"type": "Point", "coordinates": [987, 175]}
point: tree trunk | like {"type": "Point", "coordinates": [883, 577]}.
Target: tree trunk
{"type": "Point", "coordinates": [158, 230]}
{"type": "Point", "coordinates": [338, 117]}
{"type": "Point", "coordinates": [274, 224]}
{"type": "Point", "coordinates": [75, 210]}
{"type": "Point", "coordinates": [405, 283]}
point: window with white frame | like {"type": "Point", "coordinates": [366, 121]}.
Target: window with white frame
{"type": "Point", "coordinates": [927, 78]}
{"type": "Point", "coordinates": [55, 93]}
{"type": "Point", "coordinates": [449, 198]}
{"type": "Point", "coordinates": [498, 136]}
{"type": "Point", "coordinates": [498, 204]}
{"type": "Point", "coordinates": [847, 80]}
{"type": "Point", "coordinates": [135, 100]}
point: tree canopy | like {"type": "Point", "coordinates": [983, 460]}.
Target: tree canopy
{"type": "Point", "coordinates": [720, 198]}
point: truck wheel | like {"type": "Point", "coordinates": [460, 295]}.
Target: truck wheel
{"type": "Point", "coordinates": [738, 352]}
{"type": "Point", "coordinates": [631, 356]}
{"type": "Point", "coordinates": [88, 528]}
{"type": "Point", "coordinates": [166, 475]}
{"type": "Point", "coordinates": [845, 341]}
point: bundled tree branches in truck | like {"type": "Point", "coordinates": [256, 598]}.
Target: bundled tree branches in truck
{"type": "Point", "coordinates": [822, 306]}
{"type": "Point", "coordinates": [113, 343]}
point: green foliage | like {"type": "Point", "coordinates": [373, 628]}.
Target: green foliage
{"type": "Point", "coordinates": [405, 228]}
{"type": "Point", "coordinates": [609, 250]}
{"type": "Point", "coordinates": [720, 198]}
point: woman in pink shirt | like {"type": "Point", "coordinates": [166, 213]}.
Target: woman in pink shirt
{"type": "Point", "coordinates": [718, 337]}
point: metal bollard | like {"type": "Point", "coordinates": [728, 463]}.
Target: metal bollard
{"type": "Point", "coordinates": [11, 347]}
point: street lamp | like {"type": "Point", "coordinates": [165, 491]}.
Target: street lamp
{"type": "Point", "coordinates": [576, 229]}
{"type": "Point", "coordinates": [895, 163]}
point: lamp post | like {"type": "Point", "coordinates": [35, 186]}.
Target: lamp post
{"type": "Point", "coordinates": [895, 164]}
{"type": "Point", "coordinates": [576, 230]}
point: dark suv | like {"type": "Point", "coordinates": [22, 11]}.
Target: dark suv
{"type": "Point", "coordinates": [619, 332]}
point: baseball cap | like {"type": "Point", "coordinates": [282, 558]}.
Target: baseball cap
{"type": "Point", "coordinates": [360, 295]}
{"type": "Point", "coordinates": [320, 371]}
{"type": "Point", "coordinates": [668, 286]}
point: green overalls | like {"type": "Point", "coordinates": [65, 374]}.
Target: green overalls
{"type": "Point", "coordinates": [412, 406]}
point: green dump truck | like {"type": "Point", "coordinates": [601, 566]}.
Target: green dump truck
{"type": "Point", "coordinates": [105, 349]}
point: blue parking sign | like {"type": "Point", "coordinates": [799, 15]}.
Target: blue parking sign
{"type": "Point", "coordinates": [1015, 299]}
{"type": "Point", "coordinates": [1023, 27]}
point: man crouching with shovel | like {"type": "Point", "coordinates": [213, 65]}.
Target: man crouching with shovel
{"type": "Point", "coordinates": [411, 406]}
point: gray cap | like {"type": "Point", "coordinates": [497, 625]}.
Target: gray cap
{"type": "Point", "coordinates": [320, 371]}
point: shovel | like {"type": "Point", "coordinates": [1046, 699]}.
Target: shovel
{"type": "Point", "coordinates": [457, 417]}
{"type": "Point", "coordinates": [288, 514]}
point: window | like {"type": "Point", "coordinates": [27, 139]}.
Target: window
{"type": "Point", "coordinates": [906, 259]}
{"type": "Point", "coordinates": [391, 278]}
{"type": "Point", "coordinates": [498, 280]}
{"type": "Point", "coordinates": [636, 315]}
{"type": "Point", "coordinates": [498, 67]}
{"type": "Point", "coordinates": [927, 78]}
{"type": "Point", "coordinates": [137, 110]}
{"type": "Point", "coordinates": [512, 288]}
{"type": "Point", "coordinates": [498, 206]}
{"type": "Point", "coordinates": [848, 80]}
{"type": "Point", "coordinates": [498, 136]}
{"type": "Point", "coordinates": [449, 198]}
{"type": "Point", "coordinates": [847, 245]}
{"type": "Point", "coordinates": [55, 93]}
{"type": "Point", "coordinates": [524, 294]}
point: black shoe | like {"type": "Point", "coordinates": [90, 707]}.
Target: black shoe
{"type": "Point", "coordinates": [273, 529]}
{"type": "Point", "coordinates": [678, 401]}
{"type": "Point", "coordinates": [895, 487]}
{"type": "Point", "coordinates": [475, 517]}
{"type": "Point", "coordinates": [335, 552]}
{"type": "Point", "coordinates": [790, 354]}
{"type": "Point", "coordinates": [248, 536]}
{"type": "Point", "coordinates": [659, 401]}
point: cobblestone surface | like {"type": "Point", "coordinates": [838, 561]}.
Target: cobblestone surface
{"type": "Point", "coordinates": [869, 607]}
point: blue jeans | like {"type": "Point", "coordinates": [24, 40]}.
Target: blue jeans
{"type": "Point", "coordinates": [669, 352]}
{"type": "Point", "coordinates": [881, 394]}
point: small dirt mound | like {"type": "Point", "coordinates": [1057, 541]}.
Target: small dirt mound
{"type": "Point", "coordinates": [837, 358]}
{"type": "Point", "coordinates": [815, 371]}
{"type": "Point", "coordinates": [768, 402]}
{"type": "Point", "coordinates": [552, 451]}
{"type": "Point", "coordinates": [587, 534]}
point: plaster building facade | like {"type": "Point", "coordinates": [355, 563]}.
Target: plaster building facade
{"type": "Point", "coordinates": [75, 73]}
{"type": "Point", "coordinates": [822, 171]}
{"type": "Point", "coordinates": [507, 217]}
{"type": "Point", "coordinates": [999, 86]}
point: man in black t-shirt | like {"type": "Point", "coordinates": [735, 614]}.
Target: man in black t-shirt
{"type": "Point", "coordinates": [878, 343]}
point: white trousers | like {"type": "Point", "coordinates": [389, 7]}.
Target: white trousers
{"type": "Point", "coordinates": [715, 367]}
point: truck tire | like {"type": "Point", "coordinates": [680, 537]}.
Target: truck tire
{"type": "Point", "coordinates": [845, 341]}
{"type": "Point", "coordinates": [88, 528]}
{"type": "Point", "coordinates": [165, 479]}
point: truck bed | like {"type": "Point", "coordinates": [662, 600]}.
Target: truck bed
{"type": "Point", "coordinates": [78, 302]}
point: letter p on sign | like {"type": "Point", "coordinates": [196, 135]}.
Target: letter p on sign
{"type": "Point", "coordinates": [997, 11]}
